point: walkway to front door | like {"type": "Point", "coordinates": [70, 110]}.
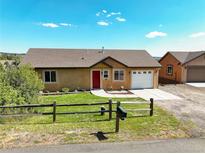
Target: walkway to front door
{"type": "Point", "coordinates": [96, 79]}
{"type": "Point", "coordinates": [146, 94]}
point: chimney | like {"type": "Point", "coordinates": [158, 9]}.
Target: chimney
{"type": "Point", "coordinates": [102, 51]}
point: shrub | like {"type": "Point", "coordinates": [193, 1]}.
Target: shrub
{"type": "Point", "coordinates": [66, 90]}
{"type": "Point", "coordinates": [19, 84]}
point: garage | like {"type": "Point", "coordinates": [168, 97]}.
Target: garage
{"type": "Point", "coordinates": [141, 79]}
{"type": "Point", "coordinates": [196, 74]}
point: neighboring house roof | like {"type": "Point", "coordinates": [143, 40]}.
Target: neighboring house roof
{"type": "Point", "coordinates": [65, 58]}
{"type": "Point", "coordinates": [185, 57]}
{"type": "Point", "coordinates": [157, 58]}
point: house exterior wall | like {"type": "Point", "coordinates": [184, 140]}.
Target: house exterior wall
{"type": "Point", "coordinates": [82, 77]}
{"type": "Point", "coordinates": [68, 78]}
{"type": "Point", "coordinates": [164, 77]}
{"type": "Point", "coordinates": [111, 66]}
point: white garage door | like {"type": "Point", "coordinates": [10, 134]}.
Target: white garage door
{"type": "Point", "coordinates": [142, 79]}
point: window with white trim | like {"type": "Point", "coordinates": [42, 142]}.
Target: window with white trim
{"type": "Point", "coordinates": [49, 76]}
{"type": "Point", "coordinates": [105, 74]}
{"type": "Point", "coordinates": [119, 75]}
{"type": "Point", "coordinates": [169, 69]}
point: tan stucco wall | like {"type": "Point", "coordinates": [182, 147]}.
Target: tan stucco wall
{"type": "Point", "coordinates": [74, 78]}
{"type": "Point", "coordinates": [177, 68]}
{"type": "Point", "coordinates": [109, 83]}
{"type": "Point", "coordinates": [68, 78]}
{"type": "Point", "coordinates": [200, 61]}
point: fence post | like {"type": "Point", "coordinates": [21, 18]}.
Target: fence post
{"type": "Point", "coordinates": [110, 109]}
{"type": "Point", "coordinates": [151, 106]}
{"type": "Point", "coordinates": [54, 111]}
{"type": "Point", "coordinates": [117, 125]}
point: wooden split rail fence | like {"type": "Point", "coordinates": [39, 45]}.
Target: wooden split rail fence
{"type": "Point", "coordinates": [102, 110]}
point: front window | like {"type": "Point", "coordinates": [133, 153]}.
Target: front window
{"type": "Point", "coordinates": [119, 75]}
{"type": "Point", "coordinates": [105, 74]}
{"type": "Point", "coordinates": [50, 76]}
{"type": "Point", "coordinates": [170, 69]}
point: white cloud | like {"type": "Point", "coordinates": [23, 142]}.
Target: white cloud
{"type": "Point", "coordinates": [104, 11]}
{"type": "Point", "coordinates": [50, 25]}
{"type": "Point", "coordinates": [109, 15]}
{"type": "Point", "coordinates": [120, 19]}
{"type": "Point", "coordinates": [101, 13]}
{"type": "Point", "coordinates": [115, 13]}
{"type": "Point", "coordinates": [155, 34]}
{"type": "Point", "coordinates": [55, 25]}
{"type": "Point", "coordinates": [98, 14]}
{"type": "Point", "coordinates": [195, 35]}
{"type": "Point", "coordinates": [65, 24]}
{"type": "Point", "coordinates": [103, 23]}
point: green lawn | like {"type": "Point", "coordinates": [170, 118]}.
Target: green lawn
{"type": "Point", "coordinates": [25, 131]}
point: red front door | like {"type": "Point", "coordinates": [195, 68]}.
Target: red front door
{"type": "Point", "coordinates": [96, 79]}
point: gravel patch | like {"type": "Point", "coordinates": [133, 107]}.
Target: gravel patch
{"type": "Point", "coordinates": [190, 108]}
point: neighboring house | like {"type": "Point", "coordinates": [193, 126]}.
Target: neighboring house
{"type": "Point", "coordinates": [157, 58]}
{"type": "Point", "coordinates": [94, 68]}
{"type": "Point", "coordinates": [182, 67]}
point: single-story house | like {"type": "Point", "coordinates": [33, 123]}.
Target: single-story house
{"type": "Point", "coordinates": [182, 67]}
{"type": "Point", "coordinates": [94, 68]}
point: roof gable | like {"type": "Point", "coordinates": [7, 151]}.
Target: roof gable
{"type": "Point", "coordinates": [184, 57]}
{"type": "Point", "coordinates": [168, 53]}
{"type": "Point", "coordinates": [109, 61]}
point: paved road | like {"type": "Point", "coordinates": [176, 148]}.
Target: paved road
{"type": "Point", "coordinates": [173, 145]}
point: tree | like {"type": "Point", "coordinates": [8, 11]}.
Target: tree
{"type": "Point", "coordinates": [7, 93]}
{"type": "Point", "coordinates": [19, 84]}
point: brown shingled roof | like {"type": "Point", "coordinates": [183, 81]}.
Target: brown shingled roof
{"type": "Point", "coordinates": [65, 58]}
{"type": "Point", "coordinates": [185, 57]}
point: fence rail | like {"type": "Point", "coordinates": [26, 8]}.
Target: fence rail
{"type": "Point", "coordinates": [27, 106]}
{"type": "Point", "coordinates": [50, 105]}
{"type": "Point", "coordinates": [54, 106]}
{"type": "Point", "coordinates": [150, 109]}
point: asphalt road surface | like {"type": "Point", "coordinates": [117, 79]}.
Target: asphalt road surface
{"type": "Point", "coordinates": [173, 145]}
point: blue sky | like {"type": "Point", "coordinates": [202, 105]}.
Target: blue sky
{"type": "Point", "coordinates": [154, 25]}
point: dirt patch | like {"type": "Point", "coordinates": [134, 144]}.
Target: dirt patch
{"type": "Point", "coordinates": [24, 139]}
{"type": "Point", "coordinates": [190, 108]}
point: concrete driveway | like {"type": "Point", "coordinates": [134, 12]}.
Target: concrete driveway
{"type": "Point", "coordinates": [190, 107]}
{"type": "Point", "coordinates": [103, 93]}
{"type": "Point", "coordinates": [198, 84]}
{"type": "Point", "coordinates": [146, 94]}
{"type": "Point", "coordinates": [156, 94]}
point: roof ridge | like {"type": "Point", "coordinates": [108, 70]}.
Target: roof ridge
{"type": "Point", "coordinates": [117, 49]}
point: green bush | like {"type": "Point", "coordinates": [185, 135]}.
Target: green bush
{"type": "Point", "coordinates": [19, 84]}
{"type": "Point", "coordinates": [66, 90]}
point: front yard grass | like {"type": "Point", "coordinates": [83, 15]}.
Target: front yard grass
{"type": "Point", "coordinates": [39, 130]}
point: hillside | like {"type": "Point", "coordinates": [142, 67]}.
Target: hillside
{"type": "Point", "coordinates": [10, 56]}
